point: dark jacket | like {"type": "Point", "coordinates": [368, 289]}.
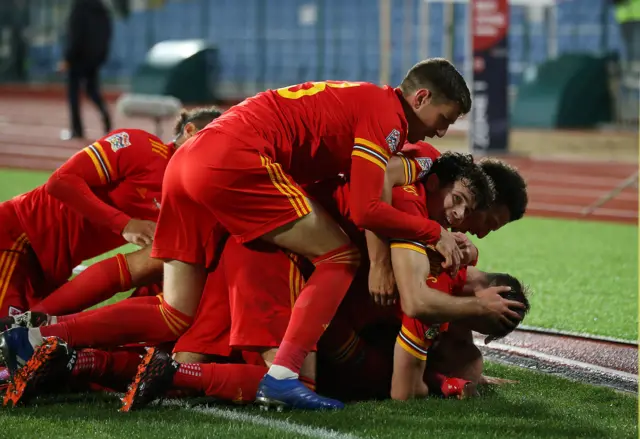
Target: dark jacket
{"type": "Point", "coordinates": [88, 34]}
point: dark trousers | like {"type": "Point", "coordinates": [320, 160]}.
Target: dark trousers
{"type": "Point", "coordinates": [91, 78]}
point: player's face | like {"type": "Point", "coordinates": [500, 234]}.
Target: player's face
{"type": "Point", "coordinates": [432, 117]}
{"type": "Point", "coordinates": [481, 223]}
{"type": "Point", "coordinates": [450, 205]}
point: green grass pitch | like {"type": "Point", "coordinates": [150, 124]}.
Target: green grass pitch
{"type": "Point", "coordinates": [584, 278]}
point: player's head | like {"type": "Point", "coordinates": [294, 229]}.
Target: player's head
{"type": "Point", "coordinates": [456, 186]}
{"type": "Point", "coordinates": [437, 95]}
{"type": "Point", "coordinates": [510, 201]}
{"type": "Point", "coordinates": [518, 293]}
{"type": "Point", "coordinates": [191, 121]}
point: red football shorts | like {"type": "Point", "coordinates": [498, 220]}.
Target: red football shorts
{"type": "Point", "coordinates": [247, 300]}
{"type": "Point", "coordinates": [209, 333]}
{"type": "Point", "coordinates": [216, 178]}
{"type": "Point", "coordinates": [20, 272]}
{"type": "Point", "coordinates": [186, 231]}
{"type": "Point", "coordinates": [264, 282]}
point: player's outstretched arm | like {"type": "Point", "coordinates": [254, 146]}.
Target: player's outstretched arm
{"type": "Point", "coordinates": [411, 269]}
{"type": "Point", "coordinates": [408, 369]}
{"type": "Point", "coordinates": [370, 212]}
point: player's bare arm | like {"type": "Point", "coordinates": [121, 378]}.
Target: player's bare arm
{"type": "Point", "coordinates": [411, 269]}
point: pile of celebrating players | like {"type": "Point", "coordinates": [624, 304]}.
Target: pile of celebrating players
{"type": "Point", "coordinates": [303, 249]}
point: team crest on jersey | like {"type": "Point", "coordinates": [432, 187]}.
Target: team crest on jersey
{"type": "Point", "coordinates": [118, 141]}
{"type": "Point", "coordinates": [432, 332]}
{"type": "Point", "coordinates": [425, 164]}
{"type": "Point", "coordinates": [410, 189]}
{"type": "Point", "coordinates": [13, 311]}
{"type": "Point", "coordinates": [393, 139]}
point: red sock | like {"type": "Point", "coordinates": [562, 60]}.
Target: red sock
{"type": "Point", "coordinates": [91, 363]}
{"type": "Point", "coordinates": [123, 364]}
{"type": "Point", "coordinates": [448, 386]}
{"type": "Point", "coordinates": [96, 284]}
{"type": "Point", "coordinates": [231, 382]}
{"type": "Point", "coordinates": [153, 300]}
{"type": "Point", "coordinates": [128, 321]}
{"type": "Point", "coordinates": [317, 304]}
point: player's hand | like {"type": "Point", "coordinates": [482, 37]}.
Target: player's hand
{"type": "Point", "coordinates": [467, 248]}
{"type": "Point", "coordinates": [139, 232]}
{"type": "Point", "coordinates": [497, 315]}
{"type": "Point", "coordinates": [448, 248]}
{"type": "Point", "coordinates": [382, 284]}
{"type": "Point", "coordinates": [62, 66]}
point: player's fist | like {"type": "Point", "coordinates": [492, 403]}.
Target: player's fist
{"type": "Point", "coordinates": [468, 250]}
{"type": "Point", "coordinates": [498, 315]}
{"type": "Point", "coordinates": [382, 284]}
{"type": "Point", "coordinates": [139, 232]}
{"type": "Point", "coordinates": [448, 248]}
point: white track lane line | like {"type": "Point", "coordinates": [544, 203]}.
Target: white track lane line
{"type": "Point", "coordinates": [557, 360]}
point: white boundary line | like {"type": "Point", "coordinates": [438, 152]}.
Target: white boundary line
{"type": "Point", "coordinates": [525, 329]}
{"type": "Point", "coordinates": [277, 424]}
{"type": "Point", "coordinates": [559, 360]}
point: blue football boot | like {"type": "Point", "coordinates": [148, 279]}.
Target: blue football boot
{"type": "Point", "coordinates": [15, 348]}
{"type": "Point", "coordinates": [292, 393]}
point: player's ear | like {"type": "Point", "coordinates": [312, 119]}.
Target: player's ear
{"type": "Point", "coordinates": [433, 183]}
{"type": "Point", "coordinates": [189, 130]}
{"type": "Point", "coordinates": [422, 97]}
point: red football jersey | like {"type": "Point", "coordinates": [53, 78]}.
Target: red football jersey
{"type": "Point", "coordinates": [416, 336]}
{"type": "Point", "coordinates": [124, 170]}
{"type": "Point", "coordinates": [312, 129]}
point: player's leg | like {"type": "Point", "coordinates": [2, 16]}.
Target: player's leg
{"type": "Point", "coordinates": [455, 364]}
{"type": "Point", "coordinates": [16, 261]}
{"type": "Point", "coordinates": [261, 306]}
{"type": "Point", "coordinates": [180, 227]}
{"type": "Point", "coordinates": [252, 197]}
{"type": "Point", "coordinates": [101, 281]}
{"type": "Point", "coordinates": [74, 77]}
{"type": "Point", "coordinates": [56, 367]}
{"type": "Point", "coordinates": [356, 351]}
{"type": "Point", "coordinates": [207, 340]}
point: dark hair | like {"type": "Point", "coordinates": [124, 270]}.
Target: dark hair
{"type": "Point", "coordinates": [454, 166]}
{"type": "Point", "coordinates": [510, 187]}
{"type": "Point", "coordinates": [440, 77]}
{"type": "Point", "coordinates": [518, 293]}
{"type": "Point", "coordinates": [200, 117]}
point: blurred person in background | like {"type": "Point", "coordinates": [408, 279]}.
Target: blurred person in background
{"type": "Point", "coordinates": [87, 47]}
{"type": "Point", "coordinates": [628, 16]}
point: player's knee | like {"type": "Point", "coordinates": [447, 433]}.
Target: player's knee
{"type": "Point", "coordinates": [142, 267]}
{"type": "Point", "coordinates": [177, 321]}
{"type": "Point", "coordinates": [347, 254]}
